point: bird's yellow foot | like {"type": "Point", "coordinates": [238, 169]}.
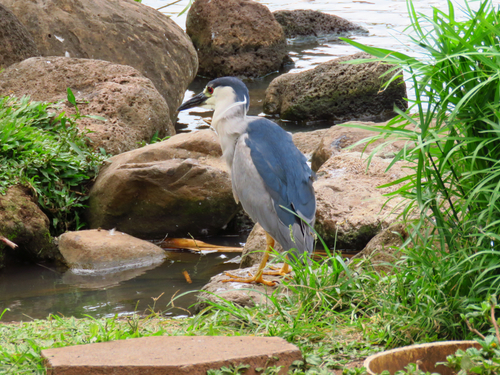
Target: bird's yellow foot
{"type": "Point", "coordinates": [283, 271]}
{"type": "Point", "coordinates": [257, 278]}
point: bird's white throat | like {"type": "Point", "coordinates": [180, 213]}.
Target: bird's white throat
{"type": "Point", "coordinates": [229, 121]}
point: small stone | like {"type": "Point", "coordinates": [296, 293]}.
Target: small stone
{"type": "Point", "coordinates": [171, 355]}
{"type": "Point", "coordinates": [243, 294]}
{"type": "Point", "coordinates": [107, 251]}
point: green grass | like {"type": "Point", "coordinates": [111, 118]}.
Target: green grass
{"type": "Point", "coordinates": [22, 343]}
{"type": "Point", "coordinates": [451, 260]}
{"type": "Point", "coordinates": [42, 148]}
{"type": "Point", "coordinates": [450, 263]}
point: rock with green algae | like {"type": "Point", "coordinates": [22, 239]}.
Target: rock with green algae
{"type": "Point", "coordinates": [337, 91]}
{"type": "Point", "coordinates": [24, 223]}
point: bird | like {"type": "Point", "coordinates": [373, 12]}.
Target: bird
{"type": "Point", "coordinates": [269, 175]}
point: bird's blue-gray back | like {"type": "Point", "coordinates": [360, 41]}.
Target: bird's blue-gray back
{"type": "Point", "coordinates": [287, 177]}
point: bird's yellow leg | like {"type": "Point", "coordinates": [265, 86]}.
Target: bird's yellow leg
{"type": "Point", "coordinates": [283, 271]}
{"type": "Point", "coordinates": [257, 278]}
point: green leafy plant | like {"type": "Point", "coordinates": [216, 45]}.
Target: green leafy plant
{"type": "Point", "coordinates": [411, 369]}
{"type": "Point", "coordinates": [231, 370]}
{"type": "Point", "coordinates": [486, 359]}
{"type": "Point", "coordinates": [44, 150]}
{"type": "Point", "coordinates": [452, 191]}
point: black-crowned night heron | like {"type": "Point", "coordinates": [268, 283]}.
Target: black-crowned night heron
{"type": "Point", "coordinates": [268, 172]}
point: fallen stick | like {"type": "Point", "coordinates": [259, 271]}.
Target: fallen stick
{"type": "Point", "coordinates": [195, 245]}
{"type": "Point", "coordinates": [8, 242]}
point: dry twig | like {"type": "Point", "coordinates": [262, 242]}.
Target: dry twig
{"type": "Point", "coordinates": [8, 242]}
{"type": "Point", "coordinates": [494, 322]}
{"type": "Point", "coordinates": [473, 330]}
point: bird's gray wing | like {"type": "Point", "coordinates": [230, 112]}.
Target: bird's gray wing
{"type": "Point", "coordinates": [286, 175]}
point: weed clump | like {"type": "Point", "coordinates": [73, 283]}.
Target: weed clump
{"type": "Point", "coordinates": [44, 150]}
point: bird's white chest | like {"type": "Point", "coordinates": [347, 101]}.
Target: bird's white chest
{"type": "Point", "coordinates": [229, 132]}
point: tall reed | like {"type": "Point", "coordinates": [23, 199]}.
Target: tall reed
{"type": "Point", "coordinates": [452, 191]}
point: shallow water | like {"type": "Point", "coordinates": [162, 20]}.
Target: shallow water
{"type": "Point", "coordinates": [386, 21]}
{"type": "Point", "coordinates": [34, 291]}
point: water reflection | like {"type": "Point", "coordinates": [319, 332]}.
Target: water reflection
{"type": "Point", "coordinates": [32, 291]}
{"type": "Point", "coordinates": [102, 281]}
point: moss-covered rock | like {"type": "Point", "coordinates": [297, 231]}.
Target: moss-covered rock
{"type": "Point", "coordinates": [336, 91]}
{"type": "Point", "coordinates": [22, 222]}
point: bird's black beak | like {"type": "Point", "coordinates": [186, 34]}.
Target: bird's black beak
{"type": "Point", "coordinates": [195, 101]}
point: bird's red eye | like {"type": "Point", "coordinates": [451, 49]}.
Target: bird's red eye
{"type": "Point", "coordinates": [210, 90]}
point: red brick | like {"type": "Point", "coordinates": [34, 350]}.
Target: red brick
{"type": "Point", "coordinates": [171, 355]}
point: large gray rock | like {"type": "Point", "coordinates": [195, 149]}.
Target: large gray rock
{"type": "Point", "coordinates": [121, 31]}
{"type": "Point", "coordinates": [102, 251]}
{"type": "Point", "coordinates": [351, 209]}
{"type": "Point", "coordinates": [133, 108]}
{"type": "Point", "coordinates": [16, 43]}
{"type": "Point", "coordinates": [24, 223]}
{"type": "Point", "coordinates": [383, 250]}
{"type": "Point", "coordinates": [242, 40]}
{"type": "Point", "coordinates": [306, 22]}
{"type": "Point", "coordinates": [177, 187]}
{"type": "Point", "coordinates": [336, 91]}
{"type": "Point", "coordinates": [337, 138]}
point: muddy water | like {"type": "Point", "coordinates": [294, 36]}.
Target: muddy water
{"type": "Point", "coordinates": [34, 291]}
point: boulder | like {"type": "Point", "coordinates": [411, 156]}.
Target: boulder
{"type": "Point", "coordinates": [351, 209]}
{"type": "Point", "coordinates": [382, 251]}
{"type": "Point", "coordinates": [102, 251]}
{"type": "Point", "coordinates": [255, 246]}
{"type": "Point", "coordinates": [242, 294]}
{"type": "Point", "coordinates": [177, 187]}
{"type": "Point", "coordinates": [120, 31]}
{"type": "Point", "coordinates": [16, 43]}
{"type": "Point", "coordinates": [336, 91]}
{"type": "Point", "coordinates": [133, 108]}
{"type": "Point", "coordinates": [24, 223]}
{"type": "Point", "coordinates": [242, 40]}
{"type": "Point", "coordinates": [306, 22]}
{"type": "Point", "coordinates": [308, 142]}
{"type": "Point", "coordinates": [337, 138]}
